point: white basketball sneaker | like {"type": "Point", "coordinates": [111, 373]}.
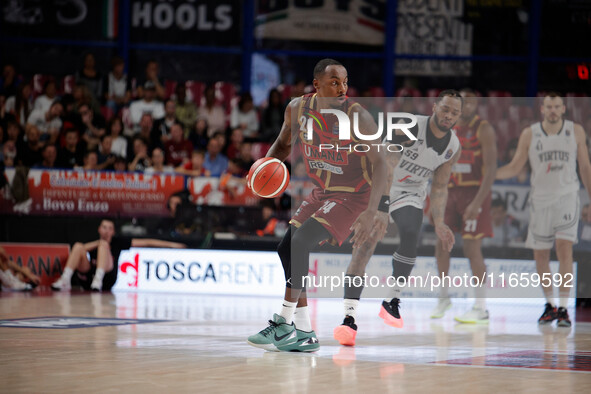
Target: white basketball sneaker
{"type": "Point", "coordinates": [473, 316]}
{"type": "Point", "coordinates": [12, 282]}
{"type": "Point", "coordinates": [442, 306]}
{"type": "Point", "coordinates": [61, 284]}
{"type": "Point", "coordinates": [97, 284]}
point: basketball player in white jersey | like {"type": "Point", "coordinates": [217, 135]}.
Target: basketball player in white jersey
{"type": "Point", "coordinates": [553, 147]}
{"type": "Point", "coordinates": [431, 156]}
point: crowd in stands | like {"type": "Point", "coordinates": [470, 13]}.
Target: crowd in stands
{"type": "Point", "coordinates": [108, 120]}
{"type": "Point", "coordinates": [103, 122]}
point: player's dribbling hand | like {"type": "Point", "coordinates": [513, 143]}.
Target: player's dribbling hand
{"type": "Point", "coordinates": [362, 227]}
{"type": "Point", "coordinates": [446, 236]}
{"type": "Point", "coordinates": [380, 225]}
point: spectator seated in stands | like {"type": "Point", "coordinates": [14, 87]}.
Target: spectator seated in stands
{"type": "Point", "coordinates": [29, 152]}
{"type": "Point", "coordinates": [141, 159]}
{"type": "Point", "coordinates": [151, 75]}
{"type": "Point", "coordinates": [115, 129]}
{"type": "Point", "coordinates": [194, 167]}
{"type": "Point", "coordinates": [199, 135]}
{"type": "Point", "coordinates": [120, 164]}
{"type": "Point", "coordinates": [93, 265]}
{"type": "Point", "coordinates": [215, 161]}
{"type": "Point", "coordinates": [178, 148]}
{"type": "Point", "coordinates": [8, 154]}
{"type": "Point", "coordinates": [91, 125]}
{"type": "Point", "coordinates": [186, 110]}
{"type": "Point", "coordinates": [245, 156]}
{"type": "Point", "coordinates": [105, 157]}
{"type": "Point", "coordinates": [145, 132]}
{"type": "Point", "coordinates": [148, 104]}
{"type": "Point", "coordinates": [269, 219]}
{"type": "Point", "coordinates": [244, 116]}
{"type": "Point", "coordinates": [506, 229]}
{"type": "Point", "coordinates": [49, 95]}
{"type": "Point", "coordinates": [49, 155]}
{"type": "Point", "coordinates": [236, 141]}
{"type": "Point", "coordinates": [161, 129]}
{"type": "Point", "coordinates": [13, 276]}
{"type": "Point", "coordinates": [90, 77]}
{"type": "Point", "coordinates": [183, 212]}
{"type": "Point", "coordinates": [9, 81]}
{"type": "Point", "coordinates": [117, 86]}
{"type": "Point", "coordinates": [90, 161]}
{"type": "Point", "coordinates": [19, 105]}
{"type": "Point", "coordinates": [213, 113]}
{"type": "Point", "coordinates": [72, 154]}
{"type": "Point", "coordinates": [158, 163]}
{"type": "Point", "coordinates": [232, 178]}
{"type": "Point", "coordinates": [272, 118]}
{"type": "Point", "coordinates": [47, 122]}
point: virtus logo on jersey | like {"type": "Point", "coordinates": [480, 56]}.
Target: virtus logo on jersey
{"type": "Point", "coordinates": [342, 128]}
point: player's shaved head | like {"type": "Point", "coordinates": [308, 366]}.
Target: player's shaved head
{"type": "Point", "coordinates": [321, 66]}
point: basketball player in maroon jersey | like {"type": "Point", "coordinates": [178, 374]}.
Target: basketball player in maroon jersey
{"type": "Point", "coordinates": [350, 195]}
{"type": "Point", "coordinates": [468, 204]}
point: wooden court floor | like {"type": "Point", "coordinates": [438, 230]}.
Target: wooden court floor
{"type": "Point", "coordinates": [171, 343]}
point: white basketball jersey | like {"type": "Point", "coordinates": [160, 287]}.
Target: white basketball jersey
{"type": "Point", "coordinates": [553, 160]}
{"type": "Point", "coordinates": [416, 167]}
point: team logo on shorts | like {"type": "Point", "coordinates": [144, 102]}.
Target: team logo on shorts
{"type": "Point", "coordinates": [448, 154]}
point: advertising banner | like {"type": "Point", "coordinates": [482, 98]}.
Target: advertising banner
{"type": "Point", "coordinates": [44, 260]}
{"type": "Point", "coordinates": [65, 19]}
{"type": "Point", "coordinates": [200, 272]}
{"type": "Point", "coordinates": [201, 22]}
{"type": "Point", "coordinates": [433, 28]}
{"type": "Point", "coordinates": [356, 21]}
{"type": "Point", "coordinates": [66, 192]}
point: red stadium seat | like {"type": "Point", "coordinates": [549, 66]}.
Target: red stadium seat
{"type": "Point", "coordinates": [377, 91]}
{"type": "Point", "coordinates": [433, 92]}
{"type": "Point", "coordinates": [68, 84]}
{"type": "Point", "coordinates": [195, 91]}
{"type": "Point", "coordinates": [225, 93]}
{"type": "Point", "coordinates": [39, 81]}
{"type": "Point", "coordinates": [169, 88]}
{"type": "Point", "coordinates": [408, 92]}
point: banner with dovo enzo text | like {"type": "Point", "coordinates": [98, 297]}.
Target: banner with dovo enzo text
{"type": "Point", "coordinates": [68, 192]}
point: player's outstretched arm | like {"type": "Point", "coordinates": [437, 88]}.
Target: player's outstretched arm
{"type": "Point", "coordinates": [368, 223]}
{"type": "Point", "coordinates": [155, 243]}
{"type": "Point", "coordinates": [281, 148]}
{"type": "Point", "coordinates": [583, 160]}
{"type": "Point", "coordinates": [521, 156]}
{"type": "Point", "coordinates": [438, 199]}
{"type": "Point", "coordinates": [489, 160]}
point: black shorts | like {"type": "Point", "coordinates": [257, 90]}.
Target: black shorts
{"type": "Point", "coordinates": [84, 279]}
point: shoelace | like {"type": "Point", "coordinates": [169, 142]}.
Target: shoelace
{"type": "Point", "coordinates": [269, 329]}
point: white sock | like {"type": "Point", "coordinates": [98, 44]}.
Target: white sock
{"type": "Point", "coordinates": [350, 306]}
{"type": "Point", "coordinates": [563, 301]}
{"type": "Point", "coordinates": [444, 292]}
{"type": "Point", "coordinates": [301, 319]}
{"type": "Point", "coordinates": [288, 310]}
{"type": "Point", "coordinates": [99, 275]}
{"type": "Point", "coordinates": [394, 293]}
{"type": "Point", "coordinates": [67, 274]}
{"type": "Point", "coordinates": [480, 301]}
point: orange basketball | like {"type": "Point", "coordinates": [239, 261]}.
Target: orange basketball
{"type": "Point", "coordinates": [268, 177]}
